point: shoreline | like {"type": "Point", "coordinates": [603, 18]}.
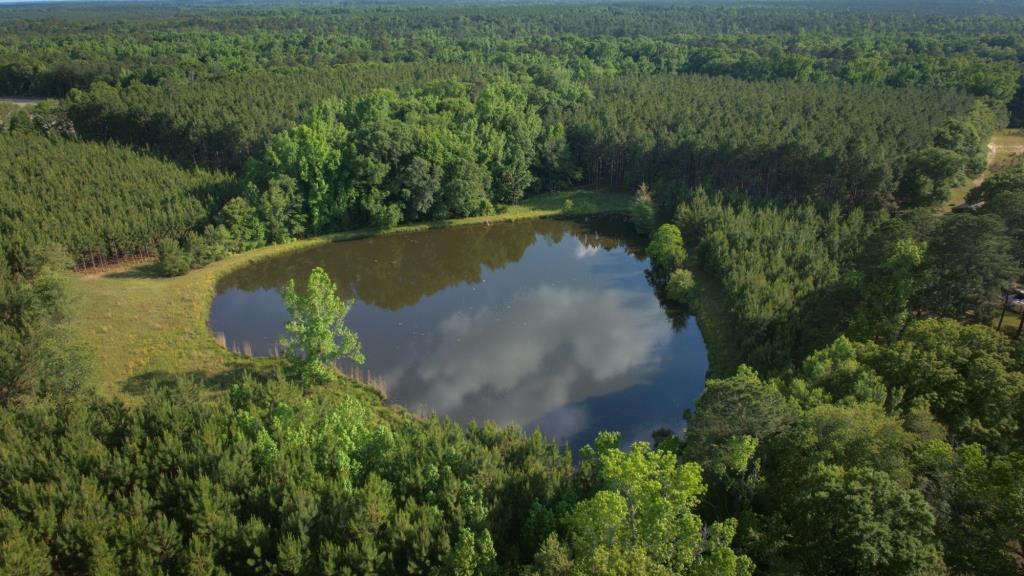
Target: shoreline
{"type": "Point", "coordinates": [147, 329]}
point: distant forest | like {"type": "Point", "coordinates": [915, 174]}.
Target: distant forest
{"type": "Point", "coordinates": [794, 164]}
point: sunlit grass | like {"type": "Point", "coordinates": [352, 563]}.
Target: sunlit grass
{"type": "Point", "coordinates": [146, 330]}
{"type": "Point", "coordinates": [1006, 149]}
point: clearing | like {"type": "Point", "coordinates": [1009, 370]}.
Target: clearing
{"type": "Point", "coordinates": [148, 330]}
{"type": "Point", "coordinates": [1005, 148]}
{"type": "Point", "coordinates": [21, 102]}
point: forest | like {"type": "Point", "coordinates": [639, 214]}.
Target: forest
{"type": "Point", "coordinates": [821, 185]}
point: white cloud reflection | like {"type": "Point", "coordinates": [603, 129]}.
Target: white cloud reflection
{"type": "Point", "coordinates": [549, 347]}
{"type": "Point", "coordinates": [584, 251]}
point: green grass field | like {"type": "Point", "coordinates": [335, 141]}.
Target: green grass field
{"type": "Point", "coordinates": [147, 330]}
{"type": "Point", "coordinates": [1007, 147]}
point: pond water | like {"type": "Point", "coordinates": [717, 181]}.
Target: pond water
{"type": "Point", "coordinates": [544, 323]}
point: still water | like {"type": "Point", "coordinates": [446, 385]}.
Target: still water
{"type": "Point", "coordinates": [544, 323]}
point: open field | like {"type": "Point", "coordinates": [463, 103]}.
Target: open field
{"type": "Point", "coordinates": [146, 329]}
{"type": "Point", "coordinates": [1005, 148]}
{"type": "Point", "coordinates": [20, 102]}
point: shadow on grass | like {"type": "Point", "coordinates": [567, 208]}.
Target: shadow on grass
{"type": "Point", "coordinates": [159, 381]}
{"type": "Point", "coordinates": [144, 271]}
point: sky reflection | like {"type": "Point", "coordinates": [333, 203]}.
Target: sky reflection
{"type": "Point", "coordinates": [548, 324]}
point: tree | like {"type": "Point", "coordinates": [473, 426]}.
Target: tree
{"type": "Point", "coordinates": [243, 222]}
{"type": "Point", "coordinates": [171, 259]}
{"type": "Point", "coordinates": [666, 249]}
{"type": "Point", "coordinates": [987, 517]}
{"type": "Point", "coordinates": [859, 521]}
{"type": "Point", "coordinates": [680, 286]}
{"type": "Point", "coordinates": [961, 137]}
{"type": "Point", "coordinates": [971, 258]}
{"type": "Point", "coordinates": [970, 375]}
{"type": "Point", "coordinates": [642, 211]}
{"type": "Point", "coordinates": [641, 519]}
{"type": "Point", "coordinates": [317, 325]}
{"type": "Point", "coordinates": [38, 357]}
{"type": "Point", "coordinates": [1003, 195]}
{"type": "Point", "coordinates": [280, 208]}
{"type": "Point", "coordinates": [838, 373]}
{"type": "Point", "coordinates": [887, 290]}
{"type": "Point", "coordinates": [310, 155]}
{"type": "Point", "coordinates": [929, 176]}
{"type": "Point", "coordinates": [509, 131]}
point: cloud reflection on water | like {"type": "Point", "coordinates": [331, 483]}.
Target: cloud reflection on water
{"type": "Point", "coordinates": [550, 347]}
{"type": "Point", "coordinates": [544, 323]}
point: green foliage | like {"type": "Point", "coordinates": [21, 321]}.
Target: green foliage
{"type": "Point", "coordinates": [858, 520]}
{"type": "Point", "coordinates": [317, 324]}
{"type": "Point", "coordinates": [756, 138]}
{"type": "Point", "coordinates": [962, 137]}
{"type": "Point", "coordinates": [680, 286]}
{"type": "Point", "coordinates": [171, 259]}
{"type": "Point", "coordinates": [888, 286]}
{"type": "Point", "coordinates": [243, 223]}
{"type": "Point", "coordinates": [973, 264]}
{"type": "Point", "coordinates": [222, 120]}
{"type": "Point", "coordinates": [383, 159]}
{"type": "Point", "coordinates": [642, 211]}
{"type": "Point", "coordinates": [209, 247]}
{"type": "Point", "coordinates": [806, 118]}
{"type": "Point", "coordinates": [280, 208]}
{"type": "Point", "coordinates": [97, 200]}
{"type": "Point", "coordinates": [930, 175]}
{"type": "Point", "coordinates": [38, 357]}
{"type": "Point", "coordinates": [970, 375]}
{"type": "Point", "coordinates": [265, 480]}
{"type": "Point", "coordinates": [781, 270]}
{"type": "Point", "coordinates": [987, 512]}
{"type": "Point", "coordinates": [1003, 195]}
{"type": "Point", "coordinates": [837, 372]}
{"type": "Point", "coordinates": [641, 519]}
{"type": "Point", "coordinates": [666, 249]}
{"type": "Point", "coordinates": [850, 462]}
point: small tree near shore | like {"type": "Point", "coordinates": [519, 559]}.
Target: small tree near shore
{"type": "Point", "coordinates": [316, 335]}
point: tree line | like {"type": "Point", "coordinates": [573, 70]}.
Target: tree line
{"type": "Point", "coordinates": [865, 416]}
{"type": "Point", "coordinates": [98, 201]}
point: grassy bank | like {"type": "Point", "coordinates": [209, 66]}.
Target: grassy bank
{"type": "Point", "coordinates": [147, 330]}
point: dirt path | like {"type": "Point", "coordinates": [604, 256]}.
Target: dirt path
{"type": "Point", "coordinates": [21, 102]}
{"type": "Point", "coordinates": [1005, 148]}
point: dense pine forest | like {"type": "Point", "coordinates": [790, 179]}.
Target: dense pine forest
{"type": "Point", "coordinates": [834, 190]}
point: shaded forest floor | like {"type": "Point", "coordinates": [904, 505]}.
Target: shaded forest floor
{"type": "Point", "coordinates": [149, 331]}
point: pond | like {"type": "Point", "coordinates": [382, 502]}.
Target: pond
{"type": "Point", "coordinates": [544, 323]}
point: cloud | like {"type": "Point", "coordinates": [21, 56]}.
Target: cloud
{"type": "Point", "coordinates": [584, 251]}
{"type": "Point", "coordinates": [549, 347]}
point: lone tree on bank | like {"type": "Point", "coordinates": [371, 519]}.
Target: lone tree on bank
{"type": "Point", "coordinates": [316, 335]}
